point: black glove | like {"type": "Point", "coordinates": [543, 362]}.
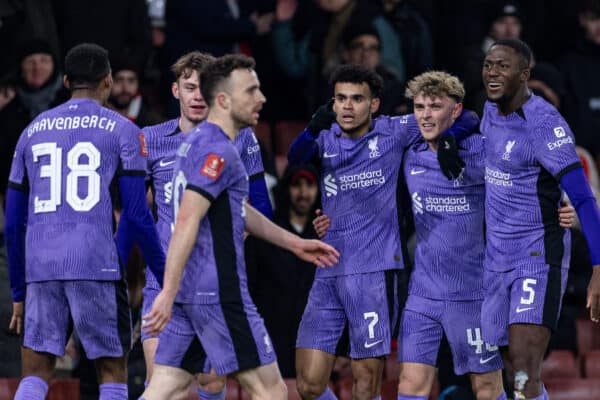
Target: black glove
{"type": "Point", "coordinates": [450, 162]}
{"type": "Point", "coordinates": [322, 119]}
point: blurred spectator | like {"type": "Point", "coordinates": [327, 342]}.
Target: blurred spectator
{"type": "Point", "coordinates": [313, 52]}
{"type": "Point", "coordinates": [546, 81]}
{"type": "Point", "coordinates": [125, 96]}
{"type": "Point", "coordinates": [414, 33]}
{"type": "Point", "coordinates": [580, 69]}
{"type": "Point", "coordinates": [37, 88]}
{"type": "Point", "coordinates": [278, 281]}
{"type": "Point", "coordinates": [362, 46]}
{"type": "Point", "coordinates": [120, 26]}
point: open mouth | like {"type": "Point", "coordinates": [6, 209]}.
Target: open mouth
{"type": "Point", "coordinates": [494, 86]}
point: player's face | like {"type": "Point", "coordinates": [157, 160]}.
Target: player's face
{"type": "Point", "coordinates": [503, 74]}
{"type": "Point", "coordinates": [354, 105]}
{"type": "Point", "coordinates": [364, 51]}
{"type": "Point", "coordinates": [125, 87]}
{"type": "Point", "coordinates": [192, 104]}
{"type": "Point", "coordinates": [507, 27]}
{"type": "Point", "coordinates": [246, 98]}
{"type": "Point", "coordinates": [303, 195]}
{"type": "Point", "coordinates": [36, 69]}
{"type": "Point", "coordinates": [435, 115]}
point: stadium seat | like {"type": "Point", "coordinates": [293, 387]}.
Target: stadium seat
{"type": "Point", "coordinates": [8, 388]}
{"type": "Point", "coordinates": [591, 364]}
{"type": "Point", "coordinates": [560, 364]}
{"type": "Point", "coordinates": [588, 336]}
{"type": "Point", "coordinates": [61, 389]}
{"type": "Point", "coordinates": [285, 133]}
{"type": "Point", "coordinates": [263, 132]}
{"type": "Point", "coordinates": [573, 389]}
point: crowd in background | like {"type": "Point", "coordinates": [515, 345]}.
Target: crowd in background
{"type": "Point", "coordinates": [296, 44]}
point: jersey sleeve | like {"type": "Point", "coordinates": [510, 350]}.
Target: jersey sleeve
{"type": "Point", "coordinates": [207, 171]}
{"type": "Point", "coordinates": [554, 146]}
{"type": "Point", "coordinates": [133, 150]}
{"type": "Point", "coordinates": [406, 130]}
{"type": "Point", "coordinates": [18, 170]}
{"type": "Point", "coordinates": [250, 155]}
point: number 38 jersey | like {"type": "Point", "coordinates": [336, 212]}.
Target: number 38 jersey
{"type": "Point", "coordinates": [66, 159]}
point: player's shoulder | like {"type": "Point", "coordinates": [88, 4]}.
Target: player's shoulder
{"type": "Point", "coordinates": [246, 135]}
{"type": "Point", "coordinates": [389, 124]}
{"type": "Point", "coordinates": [542, 117]}
{"type": "Point", "coordinates": [154, 133]}
{"type": "Point", "coordinates": [210, 138]}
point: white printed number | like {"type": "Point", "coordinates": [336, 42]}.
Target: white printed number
{"type": "Point", "coordinates": [77, 170]}
{"type": "Point", "coordinates": [527, 288]}
{"type": "Point", "coordinates": [374, 320]}
{"type": "Point", "coordinates": [478, 342]}
{"type": "Point", "coordinates": [179, 186]}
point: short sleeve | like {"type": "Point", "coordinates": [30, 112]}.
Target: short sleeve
{"type": "Point", "coordinates": [208, 171]}
{"type": "Point", "coordinates": [554, 146]}
{"type": "Point", "coordinates": [406, 130]}
{"type": "Point", "coordinates": [250, 153]}
{"type": "Point", "coordinates": [18, 170]}
{"type": "Point", "coordinates": [133, 148]}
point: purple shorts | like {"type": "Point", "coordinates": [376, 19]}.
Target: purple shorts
{"type": "Point", "coordinates": [99, 311]}
{"type": "Point", "coordinates": [423, 323]}
{"type": "Point", "coordinates": [228, 337]}
{"type": "Point", "coordinates": [529, 294]}
{"type": "Point", "coordinates": [366, 305]}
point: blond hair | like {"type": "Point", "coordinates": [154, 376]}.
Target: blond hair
{"type": "Point", "coordinates": [436, 84]}
{"type": "Point", "coordinates": [190, 62]}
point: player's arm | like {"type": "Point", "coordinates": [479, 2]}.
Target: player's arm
{"type": "Point", "coordinates": [259, 195]}
{"type": "Point", "coordinates": [304, 147]}
{"type": "Point", "coordinates": [450, 162]}
{"type": "Point", "coordinates": [193, 208]}
{"type": "Point", "coordinates": [313, 251]}
{"type": "Point", "coordinates": [575, 184]}
{"type": "Point", "coordinates": [137, 225]}
{"type": "Point", "coordinates": [14, 232]}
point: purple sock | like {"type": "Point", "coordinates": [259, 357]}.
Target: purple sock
{"type": "Point", "coordinates": [32, 388]}
{"type": "Point", "coordinates": [502, 396]}
{"type": "Point", "coordinates": [113, 391]}
{"type": "Point", "coordinates": [327, 395]}
{"type": "Point", "coordinates": [407, 397]}
{"type": "Point", "coordinates": [205, 395]}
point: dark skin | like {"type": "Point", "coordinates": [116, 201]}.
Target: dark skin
{"type": "Point", "coordinates": [505, 73]}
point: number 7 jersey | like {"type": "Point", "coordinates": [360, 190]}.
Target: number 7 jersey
{"type": "Point", "coordinates": [66, 159]}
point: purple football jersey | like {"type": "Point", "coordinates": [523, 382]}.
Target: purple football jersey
{"type": "Point", "coordinates": [163, 141]}
{"type": "Point", "coordinates": [208, 162]}
{"type": "Point", "coordinates": [527, 152]}
{"type": "Point", "coordinates": [66, 159]}
{"type": "Point", "coordinates": [449, 223]}
{"type": "Point", "coordinates": [358, 192]}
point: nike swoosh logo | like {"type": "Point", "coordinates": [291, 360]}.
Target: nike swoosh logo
{"type": "Point", "coordinates": [163, 163]}
{"type": "Point", "coordinates": [486, 360]}
{"type": "Point", "coordinates": [327, 155]}
{"type": "Point", "coordinates": [520, 310]}
{"type": "Point", "coordinates": [416, 171]}
{"type": "Point", "coordinates": [369, 345]}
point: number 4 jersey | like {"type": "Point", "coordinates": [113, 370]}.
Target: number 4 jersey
{"type": "Point", "coordinates": [66, 159]}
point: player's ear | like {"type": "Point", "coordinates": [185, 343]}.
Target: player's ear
{"type": "Point", "coordinates": [175, 90]}
{"type": "Point", "coordinates": [66, 82]}
{"type": "Point", "coordinates": [375, 103]}
{"type": "Point", "coordinates": [222, 100]}
{"type": "Point", "coordinates": [458, 107]}
{"type": "Point", "coordinates": [525, 73]}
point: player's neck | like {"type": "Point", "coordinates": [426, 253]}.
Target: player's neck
{"type": "Point", "coordinates": [226, 124]}
{"type": "Point", "coordinates": [359, 131]}
{"type": "Point", "coordinates": [88, 94]}
{"type": "Point", "coordinates": [185, 125]}
{"type": "Point", "coordinates": [433, 145]}
{"type": "Point", "coordinates": [516, 102]}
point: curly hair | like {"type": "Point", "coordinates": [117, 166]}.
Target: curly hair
{"type": "Point", "coordinates": [436, 84]}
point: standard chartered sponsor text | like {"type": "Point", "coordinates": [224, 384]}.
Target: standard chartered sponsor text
{"type": "Point", "coordinates": [361, 180]}
{"type": "Point", "coordinates": [447, 204]}
{"type": "Point", "coordinates": [497, 178]}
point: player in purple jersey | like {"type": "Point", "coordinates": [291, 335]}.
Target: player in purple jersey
{"type": "Point", "coordinates": [163, 141]}
{"type": "Point", "coordinates": [213, 317]}
{"type": "Point", "coordinates": [360, 164]}
{"type": "Point", "coordinates": [59, 229]}
{"type": "Point", "coordinates": [530, 156]}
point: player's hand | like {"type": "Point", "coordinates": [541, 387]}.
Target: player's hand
{"type": "Point", "coordinates": [451, 164]}
{"type": "Point", "coordinates": [322, 118]}
{"type": "Point", "coordinates": [155, 321]}
{"type": "Point", "coordinates": [16, 321]}
{"type": "Point", "coordinates": [316, 252]}
{"type": "Point", "coordinates": [321, 223]}
{"type": "Point", "coordinates": [566, 216]}
{"type": "Point", "coordinates": [593, 295]}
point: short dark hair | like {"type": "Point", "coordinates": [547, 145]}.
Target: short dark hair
{"type": "Point", "coordinates": [218, 71]}
{"type": "Point", "coordinates": [190, 62]}
{"type": "Point", "coordinates": [357, 74]}
{"type": "Point", "coordinates": [86, 64]}
{"type": "Point", "coordinates": [520, 47]}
